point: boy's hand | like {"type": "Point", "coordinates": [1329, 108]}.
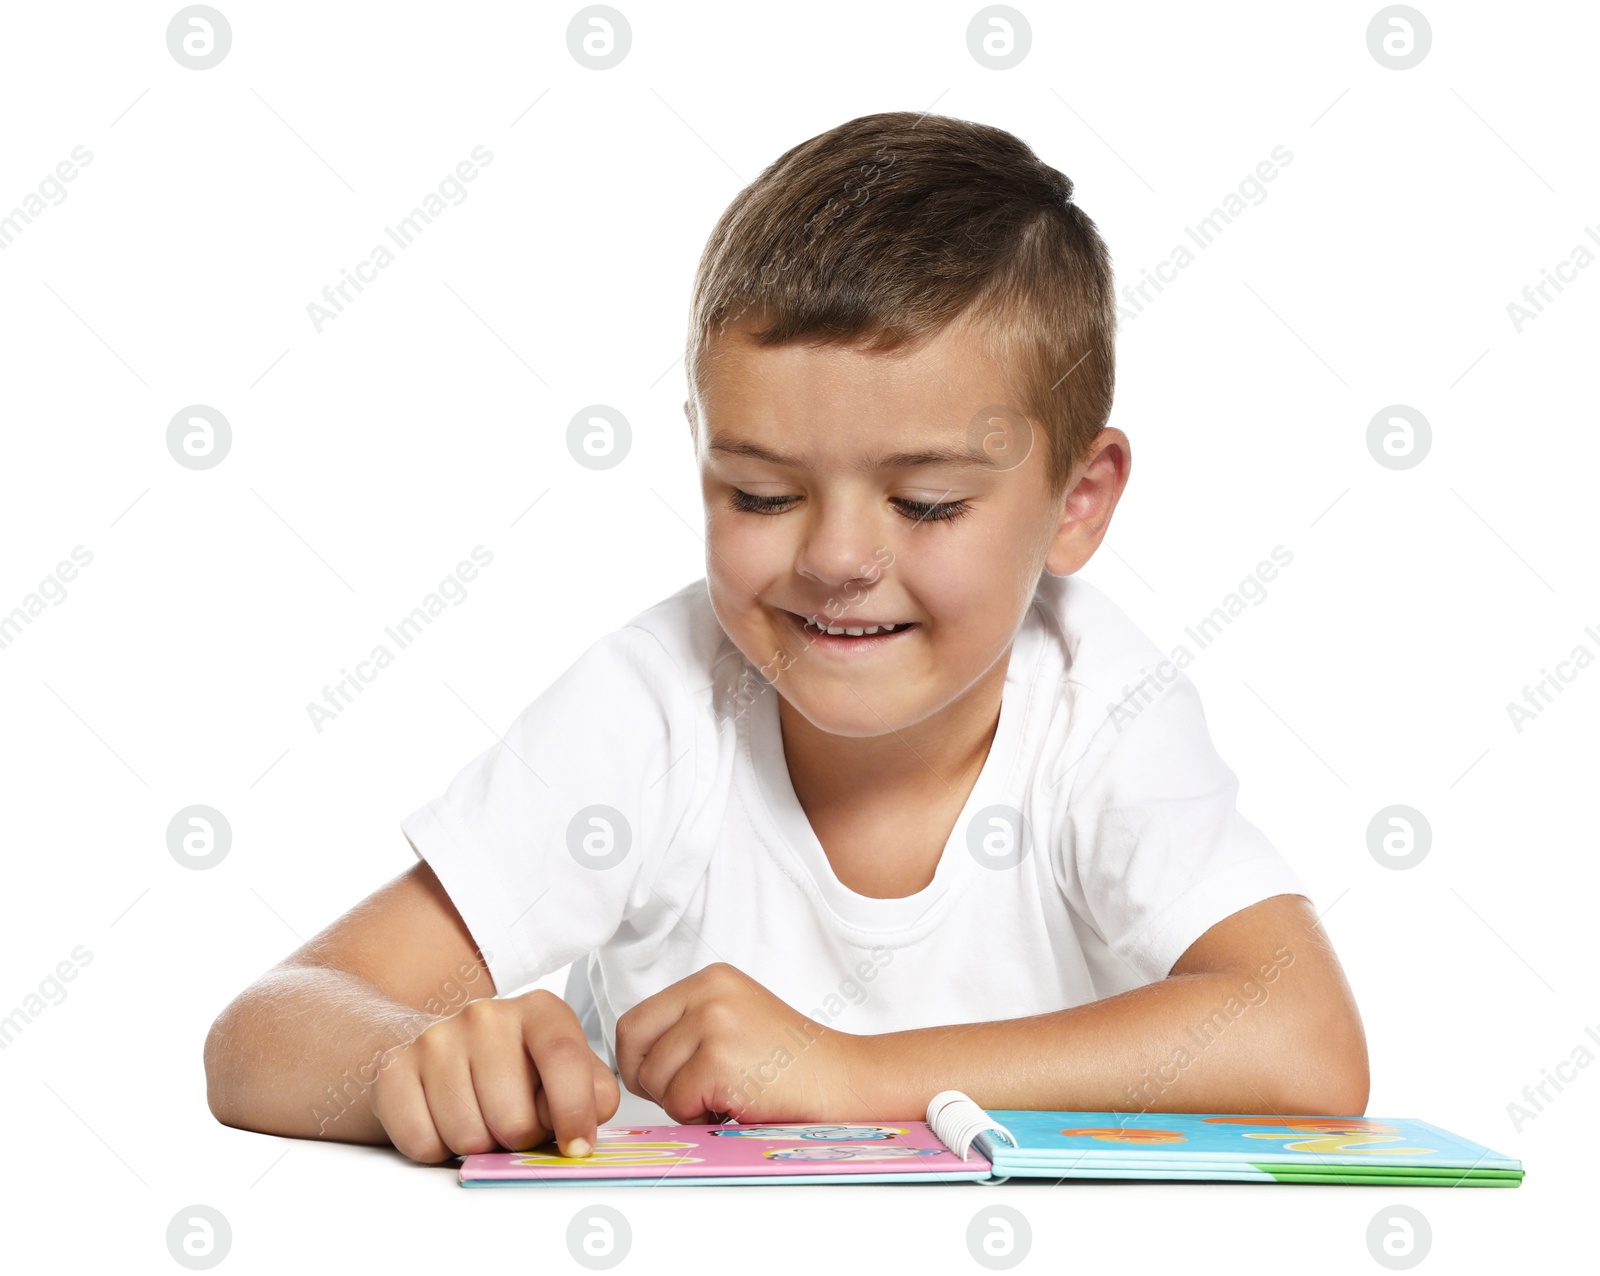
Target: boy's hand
{"type": "Point", "coordinates": [718, 1042]}
{"type": "Point", "coordinates": [499, 1073]}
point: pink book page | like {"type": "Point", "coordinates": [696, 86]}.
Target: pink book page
{"type": "Point", "coordinates": [733, 1151]}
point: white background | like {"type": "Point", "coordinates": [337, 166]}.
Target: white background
{"type": "Point", "coordinates": [369, 459]}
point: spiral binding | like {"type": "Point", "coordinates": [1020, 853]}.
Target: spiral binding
{"type": "Point", "coordinates": [957, 1120]}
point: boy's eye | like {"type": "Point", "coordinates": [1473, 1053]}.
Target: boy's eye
{"type": "Point", "coordinates": [752, 504]}
{"type": "Point", "coordinates": [915, 511]}
{"type": "Point", "coordinates": [932, 511]}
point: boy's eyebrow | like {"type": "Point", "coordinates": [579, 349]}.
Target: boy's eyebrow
{"type": "Point", "coordinates": [939, 455]}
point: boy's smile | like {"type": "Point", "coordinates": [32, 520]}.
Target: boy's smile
{"type": "Point", "coordinates": [853, 489]}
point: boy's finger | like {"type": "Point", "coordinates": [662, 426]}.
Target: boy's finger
{"type": "Point", "coordinates": [566, 1083]}
{"type": "Point", "coordinates": [660, 1069]}
{"type": "Point", "coordinates": [408, 1122]}
{"type": "Point", "coordinates": [607, 1093]}
{"type": "Point", "coordinates": [504, 1083]}
{"type": "Point", "coordinates": [642, 1026]}
{"type": "Point", "coordinates": [606, 1101]}
{"type": "Point", "coordinates": [447, 1087]}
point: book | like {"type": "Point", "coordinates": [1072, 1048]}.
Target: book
{"type": "Point", "coordinates": [961, 1142]}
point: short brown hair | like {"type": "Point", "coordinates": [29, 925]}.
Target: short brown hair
{"type": "Point", "coordinates": [885, 229]}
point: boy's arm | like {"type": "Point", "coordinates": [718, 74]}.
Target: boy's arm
{"type": "Point", "coordinates": [386, 1028]}
{"type": "Point", "coordinates": [294, 1054]}
{"type": "Point", "coordinates": [1256, 1016]}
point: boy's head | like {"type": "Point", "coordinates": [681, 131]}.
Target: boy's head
{"type": "Point", "coordinates": [900, 367]}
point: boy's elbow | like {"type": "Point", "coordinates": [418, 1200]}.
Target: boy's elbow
{"type": "Point", "coordinates": [1329, 1091]}
{"type": "Point", "coordinates": [215, 1062]}
{"type": "Point", "coordinates": [212, 1064]}
{"type": "Point", "coordinates": [1334, 1077]}
{"type": "Point", "coordinates": [1345, 1093]}
{"type": "Point", "coordinates": [1330, 1074]}
{"type": "Point", "coordinates": [1357, 1079]}
{"type": "Point", "coordinates": [1351, 1072]}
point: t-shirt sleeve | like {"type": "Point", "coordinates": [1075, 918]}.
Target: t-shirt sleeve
{"type": "Point", "coordinates": [1153, 847]}
{"type": "Point", "coordinates": [547, 841]}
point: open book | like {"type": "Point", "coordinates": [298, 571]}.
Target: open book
{"type": "Point", "coordinates": [960, 1141]}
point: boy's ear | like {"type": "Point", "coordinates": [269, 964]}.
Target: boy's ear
{"type": "Point", "coordinates": [1089, 502]}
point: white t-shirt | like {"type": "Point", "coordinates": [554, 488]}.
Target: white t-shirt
{"type": "Point", "coordinates": [1101, 839]}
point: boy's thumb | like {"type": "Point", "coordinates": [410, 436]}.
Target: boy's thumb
{"type": "Point", "coordinates": [607, 1093]}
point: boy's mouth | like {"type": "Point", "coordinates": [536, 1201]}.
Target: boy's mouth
{"type": "Point", "coordinates": [850, 629]}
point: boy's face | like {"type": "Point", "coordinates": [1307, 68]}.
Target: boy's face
{"type": "Point", "coordinates": [823, 503]}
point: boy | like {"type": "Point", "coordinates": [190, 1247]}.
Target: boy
{"type": "Point", "coordinates": [888, 803]}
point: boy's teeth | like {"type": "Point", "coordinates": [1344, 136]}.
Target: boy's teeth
{"type": "Point", "coordinates": [857, 632]}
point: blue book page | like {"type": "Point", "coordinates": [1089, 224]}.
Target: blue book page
{"type": "Point", "coordinates": [1125, 1139]}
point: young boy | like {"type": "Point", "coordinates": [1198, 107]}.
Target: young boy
{"type": "Point", "coordinates": [889, 803]}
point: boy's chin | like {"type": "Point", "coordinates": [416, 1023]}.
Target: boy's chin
{"type": "Point", "coordinates": [840, 711]}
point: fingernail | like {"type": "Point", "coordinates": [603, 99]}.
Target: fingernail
{"type": "Point", "coordinates": [578, 1147]}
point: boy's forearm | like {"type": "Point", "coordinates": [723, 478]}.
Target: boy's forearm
{"type": "Point", "coordinates": [298, 1051]}
{"type": "Point", "coordinates": [1188, 1043]}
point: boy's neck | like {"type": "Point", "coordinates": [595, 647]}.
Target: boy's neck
{"type": "Point", "coordinates": [937, 758]}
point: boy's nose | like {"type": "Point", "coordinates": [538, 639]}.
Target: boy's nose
{"type": "Point", "coordinates": [839, 541]}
